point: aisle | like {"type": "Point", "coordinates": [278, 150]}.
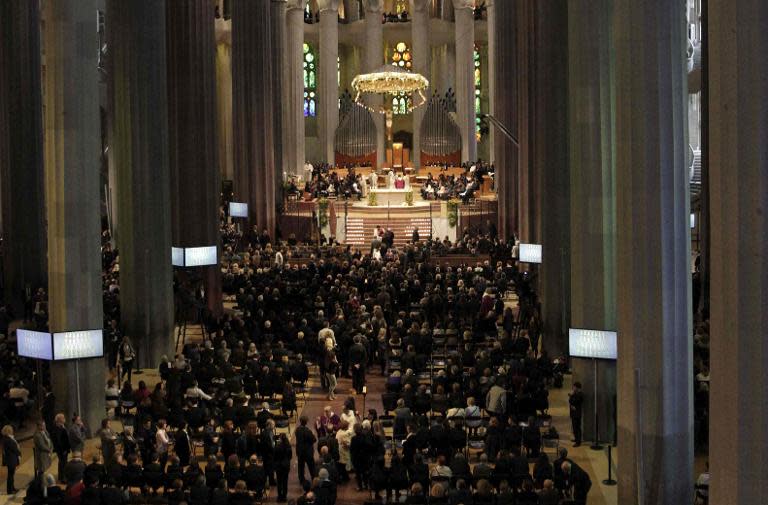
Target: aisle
{"type": "Point", "coordinates": [316, 401]}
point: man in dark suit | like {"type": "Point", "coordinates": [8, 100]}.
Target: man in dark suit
{"type": "Point", "coordinates": [305, 441]}
{"type": "Point", "coordinates": [358, 358]}
{"type": "Point", "coordinates": [326, 490]}
{"type": "Point", "coordinates": [74, 469]}
{"type": "Point", "coordinates": [578, 481]}
{"type": "Point", "coordinates": [60, 438]}
{"type": "Point", "coordinates": [43, 449]}
{"type": "Point", "coordinates": [11, 457]}
{"type": "Point", "coordinates": [576, 402]}
{"type": "Point", "coordinates": [182, 445]}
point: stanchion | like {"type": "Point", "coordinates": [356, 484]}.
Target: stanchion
{"type": "Point", "coordinates": [609, 481]}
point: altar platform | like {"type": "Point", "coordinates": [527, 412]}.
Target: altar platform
{"type": "Point", "coordinates": [390, 196]}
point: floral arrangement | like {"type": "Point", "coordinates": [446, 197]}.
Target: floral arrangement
{"type": "Point", "coordinates": [453, 212]}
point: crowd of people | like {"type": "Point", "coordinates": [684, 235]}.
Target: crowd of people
{"type": "Point", "coordinates": [465, 381]}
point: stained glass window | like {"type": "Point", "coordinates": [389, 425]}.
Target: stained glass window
{"type": "Point", "coordinates": [401, 6]}
{"type": "Point", "coordinates": [310, 81]}
{"type": "Point", "coordinates": [478, 104]}
{"type": "Point", "coordinates": [401, 58]}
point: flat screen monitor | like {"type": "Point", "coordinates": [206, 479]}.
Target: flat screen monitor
{"type": "Point", "coordinates": [238, 209]}
{"type": "Point", "coordinates": [530, 253]}
{"type": "Point", "coordinates": [200, 256]}
{"type": "Point", "coordinates": [177, 256]}
{"type": "Point", "coordinates": [34, 344]}
{"type": "Point", "coordinates": [78, 344]}
{"type": "Point", "coordinates": [598, 344]}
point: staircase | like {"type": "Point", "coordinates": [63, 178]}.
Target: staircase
{"type": "Point", "coordinates": [360, 229]}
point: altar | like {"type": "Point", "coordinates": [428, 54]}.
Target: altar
{"type": "Point", "coordinates": [392, 197]}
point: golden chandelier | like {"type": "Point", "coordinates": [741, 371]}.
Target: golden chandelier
{"type": "Point", "coordinates": [390, 80]}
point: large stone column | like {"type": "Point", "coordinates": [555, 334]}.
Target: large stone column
{"type": "Point", "coordinates": [739, 200]}
{"type": "Point", "coordinates": [277, 27]}
{"type": "Point", "coordinates": [72, 161]}
{"type": "Point", "coordinates": [328, 77]}
{"type": "Point", "coordinates": [21, 151]}
{"type": "Point", "coordinates": [490, 6]}
{"type": "Point", "coordinates": [422, 53]}
{"type": "Point", "coordinates": [465, 77]}
{"type": "Point", "coordinates": [653, 250]}
{"type": "Point", "coordinates": [139, 148]}
{"type": "Point", "coordinates": [374, 59]}
{"type": "Point", "coordinates": [549, 121]}
{"type": "Point", "coordinates": [593, 203]}
{"type": "Point", "coordinates": [224, 98]}
{"type": "Point", "coordinates": [192, 133]}
{"type": "Point", "coordinates": [294, 85]}
{"type": "Point", "coordinates": [253, 99]}
{"type": "Point", "coordinates": [507, 35]}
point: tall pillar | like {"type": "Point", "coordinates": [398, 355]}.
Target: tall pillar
{"type": "Point", "coordinates": [465, 77]}
{"type": "Point", "coordinates": [506, 33]}
{"type": "Point", "coordinates": [191, 54]}
{"type": "Point", "coordinates": [140, 151]}
{"type": "Point", "coordinates": [72, 164]}
{"type": "Point", "coordinates": [253, 98]}
{"type": "Point", "coordinates": [21, 151]}
{"type": "Point", "coordinates": [277, 20]}
{"type": "Point", "coordinates": [593, 204]}
{"type": "Point", "coordinates": [224, 98]}
{"type": "Point", "coordinates": [295, 87]}
{"type": "Point", "coordinates": [328, 114]}
{"type": "Point", "coordinates": [653, 250]}
{"type": "Point", "coordinates": [490, 6]}
{"type": "Point", "coordinates": [739, 200]}
{"type": "Point", "coordinates": [550, 164]}
{"type": "Point", "coordinates": [422, 52]}
{"type": "Point", "coordinates": [374, 59]}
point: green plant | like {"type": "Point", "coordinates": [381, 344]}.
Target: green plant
{"type": "Point", "coordinates": [322, 212]}
{"type": "Point", "coordinates": [453, 213]}
{"type": "Point", "coordinates": [372, 199]}
{"type": "Point", "coordinates": [409, 199]}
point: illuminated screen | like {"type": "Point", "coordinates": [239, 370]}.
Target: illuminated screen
{"type": "Point", "coordinates": [177, 256]}
{"type": "Point", "coordinates": [592, 344]}
{"type": "Point", "coordinates": [200, 256]}
{"type": "Point", "coordinates": [78, 344]}
{"type": "Point", "coordinates": [530, 253]}
{"type": "Point", "coordinates": [237, 209]}
{"type": "Point", "coordinates": [34, 344]}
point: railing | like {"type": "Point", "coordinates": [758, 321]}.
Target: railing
{"type": "Point", "coordinates": [299, 219]}
{"type": "Point", "coordinates": [475, 216]}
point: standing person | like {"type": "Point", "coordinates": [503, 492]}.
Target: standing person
{"type": "Point", "coordinates": [358, 358]}
{"type": "Point", "coordinates": [282, 466]}
{"type": "Point", "coordinates": [305, 441]}
{"type": "Point", "coordinates": [182, 445]}
{"type": "Point", "coordinates": [114, 337]}
{"type": "Point", "coordinates": [162, 442]}
{"type": "Point", "coordinates": [415, 234]}
{"type": "Point", "coordinates": [11, 457]}
{"type": "Point", "coordinates": [576, 402]}
{"type": "Point", "coordinates": [361, 454]}
{"type": "Point", "coordinates": [60, 439]}
{"type": "Point", "coordinates": [43, 449]}
{"type": "Point", "coordinates": [108, 439]}
{"type": "Point", "coordinates": [331, 369]}
{"type": "Point", "coordinates": [126, 354]}
{"type": "Point", "coordinates": [77, 434]}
